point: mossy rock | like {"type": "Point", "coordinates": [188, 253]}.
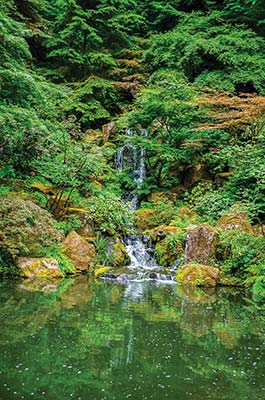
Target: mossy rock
{"type": "Point", "coordinates": [44, 188]}
{"type": "Point", "coordinates": [167, 253]}
{"type": "Point", "coordinates": [120, 256]}
{"type": "Point", "coordinates": [186, 212]}
{"type": "Point", "coordinates": [160, 232]}
{"type": "Point", "coordinates": [156, 197]}
{"type": "Point", "coordinates": [25, 228]}
{"type": "Point", "coordinates": [197, 274]}
{"type": "Point", "coordinates": [39, 267]}
{"type": "Point", "coordinates": [79, 251]}
{"type": "Point", "coordinates": [100, 271]}
{"type": "Point", "coordinates": [235, 221]}
{"type": "Point", "coordinates": [143, 218]}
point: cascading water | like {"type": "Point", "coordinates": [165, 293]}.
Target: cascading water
{"type": "Point", "coordinates": [139, 247]}
{"type": "Point", "coordinates": [132, 158]}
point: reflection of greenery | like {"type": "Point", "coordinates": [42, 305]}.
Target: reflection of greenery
{"type": "Point", "coordinates": [95, 341]}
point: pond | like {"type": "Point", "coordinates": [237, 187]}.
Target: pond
{"type": "Point", "coordinates": [82, 340]}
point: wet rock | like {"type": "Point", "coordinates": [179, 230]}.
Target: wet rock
{"type": "Point", "coordinates": [201, 243]}
{"type": "Point", "coordinates": [196, 274]}
{"type": "Point", "coordinates": [108, 130]}
{"type": "Point", "coordinates": [79, 251]}
{"type": "Point", "coordinates": [120, 255]}
{"type": "Point", "coordinates": [39, 267]}
{"type": "Point", "coordinates": [235, 221]}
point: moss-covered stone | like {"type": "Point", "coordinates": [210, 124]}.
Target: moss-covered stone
{"type": "Point", "coordinates": [143, 218]}
{"type": "Point", "coordinates": [156, 197]}
{"type": "Point", "coordinates": [186, 212]}
{"type": "Point", "coordinates": [160, 232]}
{"type": "Point", "coordinates": [39, 267]}
{"type": "Point", "coordinates": [99, 271]}
{"type": "Point", "coordinates": [120, 256]}
{"type": "Point", "coordinates": [79, 251]}
{"type": "Point", "coordinates": [197, 274]}
{"type": "Point", "coordinates": [235, 221]}
{"type": "Point", "coordinates": [201, 243]}
{"type": "Point", "coordinates": [25, 228]}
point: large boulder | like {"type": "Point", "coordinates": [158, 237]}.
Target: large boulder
{"type": "Point", "coordinates": [79, 251]}
{"type": "Point", "coordinates": [201, 243]}
{"type": "Point", "coordinates": [197, 274]}
{"type": "Point", "coordinates": [39, 267]}
{"type": "Point", "coordinates": [235, 221]}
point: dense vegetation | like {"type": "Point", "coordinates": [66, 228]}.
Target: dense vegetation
{"type": "Point", "coordinates": [75, 74]}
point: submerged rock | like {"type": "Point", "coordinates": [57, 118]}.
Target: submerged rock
{"type": "Point", "coordinates": [39, 267]}
{"type": "Point", "coordinates": [201, 243]}
{"type": "Point", "coordinates": [196, 274]}
{"type": "Point", "coordinates": [79, 251]}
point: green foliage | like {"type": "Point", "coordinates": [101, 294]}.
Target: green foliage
{"type": "Point", "coordinates": [55, 251]}
{"type": "Point", "coordinates": [209, 202]}
{"type": "Point", "coordinates": [241, 254]}
{"type": "Point", "coordinates": [24, 228]}
{"type": "Point", "coordinates": [211, 52]}
{"type": "Point", "coordinates": [70, 223]}
{"type": "Point", "coordinates": [103, 256]}
{"type": "Point", "coordinates": [108, 213]}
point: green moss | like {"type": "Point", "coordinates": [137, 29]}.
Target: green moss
{"type": "Point", "coordinates": [197, 274]}
{"type": "Point", "coordinates": [120, 255]}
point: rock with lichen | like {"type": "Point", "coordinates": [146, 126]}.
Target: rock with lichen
{"type": "Point", "coordinates": [39, 267]}
{"type": "Point", "coordinates": [120, 256]}
{"type": "Point", "coordinates": [201, 242]}
{"type": "Point", "coordinates": [79, 251]}
{"type": "Point", "coordinates": [235, 221]}
{"type": "Point", "coordinates": [198, 274]}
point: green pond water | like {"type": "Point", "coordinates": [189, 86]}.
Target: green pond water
{"type": "Point", "coordinates": [82, 340]}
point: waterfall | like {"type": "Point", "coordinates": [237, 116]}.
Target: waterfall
{"type": "Point", "coordinates": [139, 247]}
{"type": "Point", "coordinates": [132, 158]}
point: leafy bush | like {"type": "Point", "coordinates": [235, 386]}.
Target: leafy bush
{"type": "Point", "coordinates": [239, 253]}
{"type": "Point", "coordinates": [108, 213]}
{"type": "Point", "coordinates": [24, 228]}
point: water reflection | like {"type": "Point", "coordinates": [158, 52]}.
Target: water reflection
{"type": "Point", "coordinates": [84, 340]}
